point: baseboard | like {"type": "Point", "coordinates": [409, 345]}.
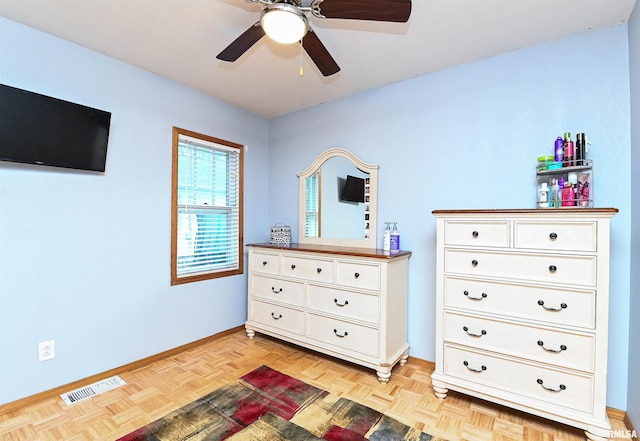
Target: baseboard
{"type": "Point", "coordinates": [616, 414]}
{"type": "Point", "coordinates": [426, 363]}
{"type": "Point", "coordinates": [32, 399]}
{"type": "Point", "coordinates": [628, 423]}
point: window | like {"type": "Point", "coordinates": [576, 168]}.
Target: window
{"type": "Point", "coordinates": [206, 207]}
{"type": "Point", "coordinates": [312, 207]}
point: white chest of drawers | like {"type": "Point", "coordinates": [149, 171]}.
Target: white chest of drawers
{"type": "Point", "coordinates": [522, 310]}
{"type": "Point", "coordinates": [349, 303]}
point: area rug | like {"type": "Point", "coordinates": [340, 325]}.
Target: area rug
{"type": "Point", "coordinates": [267, 405]}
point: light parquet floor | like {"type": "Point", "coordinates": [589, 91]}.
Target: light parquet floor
{"type": "Point", "coordinates": [163, 386]}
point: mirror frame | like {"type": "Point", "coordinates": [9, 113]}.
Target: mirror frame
{"type": "Point", "coordinates": [371, 169]}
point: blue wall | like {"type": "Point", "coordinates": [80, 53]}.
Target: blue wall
{"type": "Point", "coordinates": [84, 257]}
{"type": "Point", "coordinates": [468, 137]}
{"type": "Point", "coordinates": [633, 405]}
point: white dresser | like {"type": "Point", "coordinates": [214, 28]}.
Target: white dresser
{"type": "Point", "coordinates": [350, 303]}
{"type": "Point", "coordinates": [523, 308]}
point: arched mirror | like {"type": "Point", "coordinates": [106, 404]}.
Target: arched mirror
{"type": "Point", "coordinates": [338, 201]}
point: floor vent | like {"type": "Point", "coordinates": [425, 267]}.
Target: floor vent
{"type": "Point", "coordinates": [93, 389]}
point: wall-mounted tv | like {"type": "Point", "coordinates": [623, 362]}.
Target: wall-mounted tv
{"type": "Point", "coordinates": [38, 129]}
{"type": "Point", "coordinates": [353, 189]}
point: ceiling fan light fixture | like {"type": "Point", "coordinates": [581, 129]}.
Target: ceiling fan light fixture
{"type": "Point", "coordinates": [284, 23]}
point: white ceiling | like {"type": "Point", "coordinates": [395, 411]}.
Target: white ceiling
{"type": "Point", "coordinates": [179, 39]}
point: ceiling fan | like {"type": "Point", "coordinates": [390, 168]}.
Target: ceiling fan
{"type": "Point", "coordinates": [286, 22]}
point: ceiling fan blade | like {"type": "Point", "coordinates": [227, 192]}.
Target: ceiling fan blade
{"type": "Point", "coordinates": [242, 44]}
{"type": "Point", "coordinates": [319, 54]}
{"type": "Point", "coordinates": [377, 10]}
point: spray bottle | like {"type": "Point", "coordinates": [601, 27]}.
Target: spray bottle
{"type": "Point", "coordinates": [559, 150]}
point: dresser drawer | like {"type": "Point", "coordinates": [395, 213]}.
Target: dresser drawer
{"type": "Point", "coordinates": [277, 316]}
{"type": "Point", "coordinates": [562, 348]}
{"type": "Point", "coordinates": [284, 291]}
{"type": "Point", "coordinates": [358, 275]}
{"type": "Point", "coordinates": [477, 233]}
{"type": "Point", "coordinates": [318, 270]}
{"type": "Point", "coordinates": [576, 270]}
{"type": "Point", "coordinates": [342, 334]}
{"type": "Point", "coordinates": [561, 236]}
{"type": "Point", "coordinates": [555, 386]}
{"type": "Point", "coordinates": [568, 307]}
{"type": "Point", "coordinates": [351, 305]}
{"type": "Point", "coordinates": [265, 263]}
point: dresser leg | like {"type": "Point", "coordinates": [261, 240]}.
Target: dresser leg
{"type": "Point", "coordinates": [250, 332]}
{"type": "Point", "coordinates": [404, 359]}
{"type": "Point", "coordinates": [440, 389]}
{"type": "Point", "coordinates": [383, 376]}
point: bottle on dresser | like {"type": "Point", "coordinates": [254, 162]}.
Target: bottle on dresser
{"type": "Point", "coordinates": [569, 150]}
{"type": "Point", "coordinates": [543, 200]}
{"type": "Point", "coordinates": [568, 195]}
{"type": "Point", "coordinates": [386, 238]}
{"type": "Point", "coordinates": [556, 195]}
{"type": "Point", "coordinates": [559, 150]}
{"type": "Point", "coordinates": [395, 239]}
{"type": "Point", "coordinates": [581, 148]}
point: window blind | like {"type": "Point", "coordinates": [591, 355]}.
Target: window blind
{"type": "Point", "coordinates": [208, 223]}
{"type": "Point", "coordinates": [312, 208]}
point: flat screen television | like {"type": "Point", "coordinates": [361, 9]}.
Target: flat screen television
{"type": "Point", "coordinates": [39, 129]}
{"type": "Point", "coordinates": [353, 189]}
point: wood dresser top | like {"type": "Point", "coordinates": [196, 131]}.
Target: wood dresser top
{"type": "Point", "coordinates": [330, 249]}
{"type": "Point", "coordinates": [545, 211]}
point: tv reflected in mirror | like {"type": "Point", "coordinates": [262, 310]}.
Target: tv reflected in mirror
{"type": "Point", "coordinates": [353, 190]}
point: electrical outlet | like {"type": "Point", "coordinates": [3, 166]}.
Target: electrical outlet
{"type": "Point", "coordinates": [46, 350]}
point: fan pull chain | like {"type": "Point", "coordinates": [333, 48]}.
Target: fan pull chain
{"type": "Point", "coordinates": [301, 72]}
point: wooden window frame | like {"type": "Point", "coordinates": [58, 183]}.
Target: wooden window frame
{"type": "Point", "coordinates": [177, 279]}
